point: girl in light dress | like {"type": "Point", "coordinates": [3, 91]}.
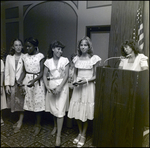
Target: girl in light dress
{"type": "Point", "coordinates": [82, 102]}
{"type": "Point", "coordinates": [32, 80]}
{"type": "Point", "coordinates": [136, 60]}
{"type": "Point", "coordinates": [57, 96]}
{"type": "Point", "coordinates": [3, 95]}
{"type": "Point", "coordinates": [13, 70]}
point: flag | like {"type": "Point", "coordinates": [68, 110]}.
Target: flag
{"type": "Point", "coordinates": [138, 31]}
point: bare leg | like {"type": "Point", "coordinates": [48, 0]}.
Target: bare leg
{"type": "Point", "coordinates": [83, 134]}
{"type": "Point", "coordinates": [79, 122]}
{"type": "Point", "coordinates": [2, 122]}
{"type": "Point", "coordinates": [18, 124]}
{"type": "Point", "coordinates": [20, 119]}
{"type": "Point", "coordinates": [85, 125]}
{"type": "Point", "coordinates": [59, 129]}
{"type": "Point", "coordinates": [38, 121]}
{"type": "Point", "coordinates": [55, 126]}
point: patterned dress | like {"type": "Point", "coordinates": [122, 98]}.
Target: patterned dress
{"type": "Point", "coordinates": [140, 61]}
{"type": "Point", "coordinates": [35, 96]}
{"type": "Point", "coordinates": [83, 97]}
{"type": "Point", "coordinates": [3, 96]}
{"type": "Point", "coordinates": [57, 104]}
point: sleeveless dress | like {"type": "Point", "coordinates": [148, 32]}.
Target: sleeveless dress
{"type": "Point", "coordinates": [83, 97]}
{"type": "Point", "coordinates": [140, 61]}
{"type": "Point", "coordinates": [3, 96]}
{"type": "Point", "coordinates": [57, 105]}
{"type": "Point", "coordinates": [35, 96]}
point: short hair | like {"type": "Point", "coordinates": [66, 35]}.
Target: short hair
{"type": "Point", "coordinates": [53, 45]}
{"type": "Point", "coordinates": [33, 41]}
{"type": "Point", "coordinates": [90, 51]}
{"type": "Point", "coordinates": [131, 43]}
{"type": "Point", "coordinates": [12, 50]}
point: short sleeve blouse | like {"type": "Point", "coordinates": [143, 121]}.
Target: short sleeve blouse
{"type": "Point", "coordinates": [32, 62]}
{"type": "Point", "coordinates": [140, 61]}
{"type": "Point", "coordinates": [56, 72]}
{"type": "Point", "coordinates": [86, 64]}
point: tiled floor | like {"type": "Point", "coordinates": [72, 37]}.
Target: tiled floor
{"type": "Point", "coordinates": [44, 139]}
{"type": "Point", "coordinates": [26, 139]}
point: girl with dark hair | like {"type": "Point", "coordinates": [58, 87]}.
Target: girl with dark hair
{"type": "Point", "coordinates": [13, 70]}
{"type": "Point", "coordinates": [34, 86]}
{"type": "Point", "coordinates": [57, 96]}
{"type": "Point", "coordinates": [82, 101]}
{"type": "Point", "coordinates": [135, 60]}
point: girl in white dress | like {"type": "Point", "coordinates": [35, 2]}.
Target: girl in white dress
{"type": "Point", "coordinates": [136, 61]}
{"type": "Point", "coordinates": [3, 95]}
{"type": "Point", "coordinates": [32, 79]}
{"type": "Point", "coordinates": [82, 102]}
{"type": "Point", "coordinates": [57, 96]}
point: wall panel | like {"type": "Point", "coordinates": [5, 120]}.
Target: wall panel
{"type": "Point", "coordinates": [122, 23]}
{"type": "Point", "coordinates": [12, 31]}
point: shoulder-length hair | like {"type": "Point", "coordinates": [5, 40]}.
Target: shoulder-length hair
{"type": "Point", "coordinates": [53, 45]}
{"type": "Point", "coordinates": [131, 43]}
{"type": "Point", "coordinates": [12, 50]}
{"type": "Point", "coordinates": [90, 50]}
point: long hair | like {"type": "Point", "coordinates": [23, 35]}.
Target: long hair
{"type": "Point", "coordinates": [12, 50]}
{"type": "Point", "coordinates": [90, 50]}
{"type": "Point", "coordinates": [132, 44]}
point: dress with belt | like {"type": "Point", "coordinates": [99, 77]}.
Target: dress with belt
{"type": "Point", "coordinates": [57, 104]}
{"type": "Point", "coordinates": [35, 95]}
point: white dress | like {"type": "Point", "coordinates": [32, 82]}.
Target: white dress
{"type": "Point", "coordinates": [57, 104]}
{"type": "Point", "coordinates": [3, 96]}
{"type": "Point", "coordinates": [35, 96]}
{"type": "Point", "coordinates": [140, 61]}
{"type": "Point", "coordinates": [83, 97]}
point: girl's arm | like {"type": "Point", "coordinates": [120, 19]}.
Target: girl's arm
{"type": "Point", "coordinates": [2, 80]}
{"type": "Point", "coordinates": [7, 75]}
{"type": "Point", "coordinates": [45, 78]}
{"type": "Point", "coordinates": [59, 88]}
{"type": "Point", "coordinates": [84, 81]}
{"type": "Point", "coordinates": [94, 72]}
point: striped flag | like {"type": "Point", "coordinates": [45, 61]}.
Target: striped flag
{"type": "Point", "coordinates": [138, 31]}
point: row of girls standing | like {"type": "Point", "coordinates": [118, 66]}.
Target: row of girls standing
{"type": "Point", "coordinates": [26, 80]}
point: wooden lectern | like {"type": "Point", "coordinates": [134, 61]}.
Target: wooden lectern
{"type": "Point", "coordinates": [119, 113]}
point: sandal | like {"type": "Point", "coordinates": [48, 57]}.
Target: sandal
{"type": "Point", "coordinates": [54, 131]}
{"type": "Point", "coordinates": [76, 140]}
{"type": "Point", "coordinates": [80, 144]}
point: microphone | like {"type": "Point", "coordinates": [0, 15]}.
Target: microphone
{"type": "Point", "coordinates": [121, 57]}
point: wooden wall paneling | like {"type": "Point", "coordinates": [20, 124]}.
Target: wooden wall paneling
{"type": "Point", "coordinates": [122, 24]}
